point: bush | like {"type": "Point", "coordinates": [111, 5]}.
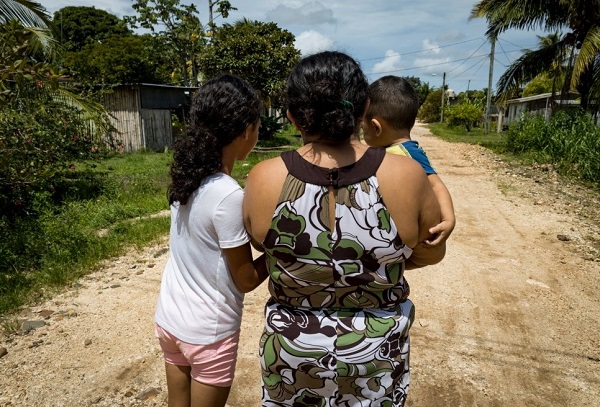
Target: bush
{"type": "Point", "coordinates": [269, 125]}
{"type": "Point", "coordinates": [569, 140]}
{"type": "Point", "coordinates": [464, 114]}
{"type": "Point", "coordinates": [40, 143]}
{"type": "Point", "coordinates": [430, 110]}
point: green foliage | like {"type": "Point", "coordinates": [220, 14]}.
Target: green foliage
{"type": "Point", "coordinates": [29, 13]}
{"type": "Point", "coordinates": [261, 53]}
{"type": "Point", "coordinates": [467, 114]}
{"type": "Point", "coordinates": [39, 144]}
{"type": "Point", "coordinates": [577, 19]}
{"type": "Point", "coordinates": [491, 140]}
{"type": "Point", "coordinates": [569, 141]}
{"type": "Point", "coordinates": [118, 60]}
{"type": "Point", "coordinates": [64, 240]}
{"type": "Point", "coordinates": [22, 63]}
{"type": "Point", "coordinates": [75, 27]}
{"type": "Point", "coordinates": [538, 85]}
{"type": "Point", "coordinates": [422, 88]}
{"type": "Point", "coordinates": [269, 125]}
{"type": "Point", "coordinates": [178, 32]}
{"type": "Point", "coordinates": [430, 111]}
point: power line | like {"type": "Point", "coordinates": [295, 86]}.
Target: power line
{"type": "Point", "coordinates": [482, 59]}
{"type": "Point", "coordinates": [423, 50]}
{"type": "Point", "coordinates": [418, 67]}
{"type": "Point", "coordinates": [457, 66]}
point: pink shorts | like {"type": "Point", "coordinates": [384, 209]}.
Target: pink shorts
{"type": "Point", "coordinates": [212, 364]}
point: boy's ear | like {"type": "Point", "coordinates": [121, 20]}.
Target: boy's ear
{"type": "Point", "coordinates": [376, 126]}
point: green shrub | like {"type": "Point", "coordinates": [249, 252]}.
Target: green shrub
{"type": "Point", "coordinates": [569, 140]}
{"type": "Point", "coordinates": [466, 114]}
{"type": "Point", "coordinates": [40, 144]}
{"type": "Point", "coordinates": [269, 126]}
{"type": "Point", "coordinates": [430, 110]}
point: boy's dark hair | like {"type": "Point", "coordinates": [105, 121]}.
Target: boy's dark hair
{"type": "Point", "coordinates": [221, 110]}
{"type": "Point", "coordinates": [327, 94]}
{"type": "Point", "coordinates": [393, 99]}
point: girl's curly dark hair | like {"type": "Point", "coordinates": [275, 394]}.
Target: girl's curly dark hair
{"type": "Point", "coordinates": [327, 95]}
{"type": "Point", "coordinates": [221, 110]}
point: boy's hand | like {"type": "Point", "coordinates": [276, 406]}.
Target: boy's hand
{"type": "Point", "coordinates": [439, 233]}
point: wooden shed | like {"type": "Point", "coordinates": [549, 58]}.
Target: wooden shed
{"type": "Point", "coordinates": [141, 113]}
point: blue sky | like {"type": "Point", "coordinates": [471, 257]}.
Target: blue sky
{"type": "Point", "coordinates": [423, 39]}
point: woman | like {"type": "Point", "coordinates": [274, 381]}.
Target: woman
{"type": "Point", "coordinates": [339, 222]}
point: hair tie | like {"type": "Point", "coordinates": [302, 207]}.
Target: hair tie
{"type": "Point", "coordinates": [348, 105]}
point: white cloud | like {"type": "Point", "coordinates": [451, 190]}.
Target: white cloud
{"type": "Point", "coordinates": [313, 13]}
{"type": "Point", "coordinates": [431, 46]}
{"type": "Point", "coordinates": [391, 62]}
{"type": "Point", "coordinates": [310, 42]}
{"type": "Point", "coordinates": [433, 65]}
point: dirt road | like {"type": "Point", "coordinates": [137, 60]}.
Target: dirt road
{"type": "Point", "coordinates": [509, 318]}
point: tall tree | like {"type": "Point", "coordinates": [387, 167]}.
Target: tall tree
{"type": "Point", "coordinates": [178, 28]}
{"type": "Point", "coordinates": [118, 60]}
{"type": "Point", "coordinates": [262, 53]}
{"type": "Point", "coordinates": [75, 27]}
{"type": "Point", "coordinates": [579, 19]}
{"type": "Point", "coordinates": [421, 88]}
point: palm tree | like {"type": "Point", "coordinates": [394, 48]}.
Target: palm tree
{"type": "Point", "coordinates": [28, 13]}
{"type": "Point", "coordinates": [579, 19]}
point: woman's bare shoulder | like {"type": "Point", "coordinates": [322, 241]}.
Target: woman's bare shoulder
{"type": "Point", "coordinates": [267, 171]}
{"type": "Point", "coordinates": [266, 178]}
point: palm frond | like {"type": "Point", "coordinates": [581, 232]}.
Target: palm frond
{"type": "Point", "coordinates": [94, 112]}
{"type": "Point", "coordinates": [530, 65]}
{"type": "Point", "coordinates": [503, 15]}
{"type": "Point", "coordinates": [590, 48]}
{"type": "Point", "coordinates": [29, 13]}
{"type": "Point", "coordinates": [44, 41]}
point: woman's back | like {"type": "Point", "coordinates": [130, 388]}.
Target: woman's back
{"type": "Point", "coordinates": [338, 222]}
{"type": "Point", "coordinates": [355, 263]}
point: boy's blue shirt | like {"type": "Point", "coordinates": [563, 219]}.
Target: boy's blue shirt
{"type": "Point", "coordinates": [411, 148]}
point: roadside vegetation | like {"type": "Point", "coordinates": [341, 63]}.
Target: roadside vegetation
{"type": "Point", "coordinates": [123, 205]}
{"type": "Point", "coordinates": [568, 142]}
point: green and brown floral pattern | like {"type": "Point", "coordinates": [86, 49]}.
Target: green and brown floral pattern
{"type": "Point", "coordinates": [338, 321]}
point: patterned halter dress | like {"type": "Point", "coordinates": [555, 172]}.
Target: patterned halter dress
{"type": "Point", "coordinates": [337, 322]}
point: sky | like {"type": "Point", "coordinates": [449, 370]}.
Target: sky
{"type": "Point", "coordinates": [424, 38]}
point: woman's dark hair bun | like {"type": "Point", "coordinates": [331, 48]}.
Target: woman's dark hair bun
{"type": "Point", "coordinates": [327, 95]}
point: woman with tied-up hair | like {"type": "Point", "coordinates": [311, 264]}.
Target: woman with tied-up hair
{"type": "Point", "coordinates": [339, 222]}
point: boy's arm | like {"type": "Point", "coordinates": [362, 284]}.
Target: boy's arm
{"type": "Point", "coordinates": [441, 231]}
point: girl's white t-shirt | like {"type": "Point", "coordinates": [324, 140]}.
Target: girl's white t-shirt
{"type": "Point", "coordinates": [198, 300]}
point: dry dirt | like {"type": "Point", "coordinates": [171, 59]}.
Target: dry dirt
{"type": "Point", "coordinates": [509, 318]}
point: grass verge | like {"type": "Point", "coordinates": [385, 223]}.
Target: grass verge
{"type": "Point", "coordinates": [492, 140]}
{"type": "Point", "coordinates": [43, 254]}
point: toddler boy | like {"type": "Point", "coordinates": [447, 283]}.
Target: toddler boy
{"type": "Point", "coordinates": [390, 117]}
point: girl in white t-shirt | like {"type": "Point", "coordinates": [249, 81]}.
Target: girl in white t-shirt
{"type": "Point", "coordinates": [210, 264]}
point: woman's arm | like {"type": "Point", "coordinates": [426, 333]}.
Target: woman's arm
{"type": "Point", "coordinates": [263, 186]}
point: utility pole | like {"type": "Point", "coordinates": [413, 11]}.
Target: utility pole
{"type": "Point", "coordinates": [211, 4]}
{"type": "Point", "coordinates": [488, 104]}
{"type": "Point", "coordinates": [443, 92]}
